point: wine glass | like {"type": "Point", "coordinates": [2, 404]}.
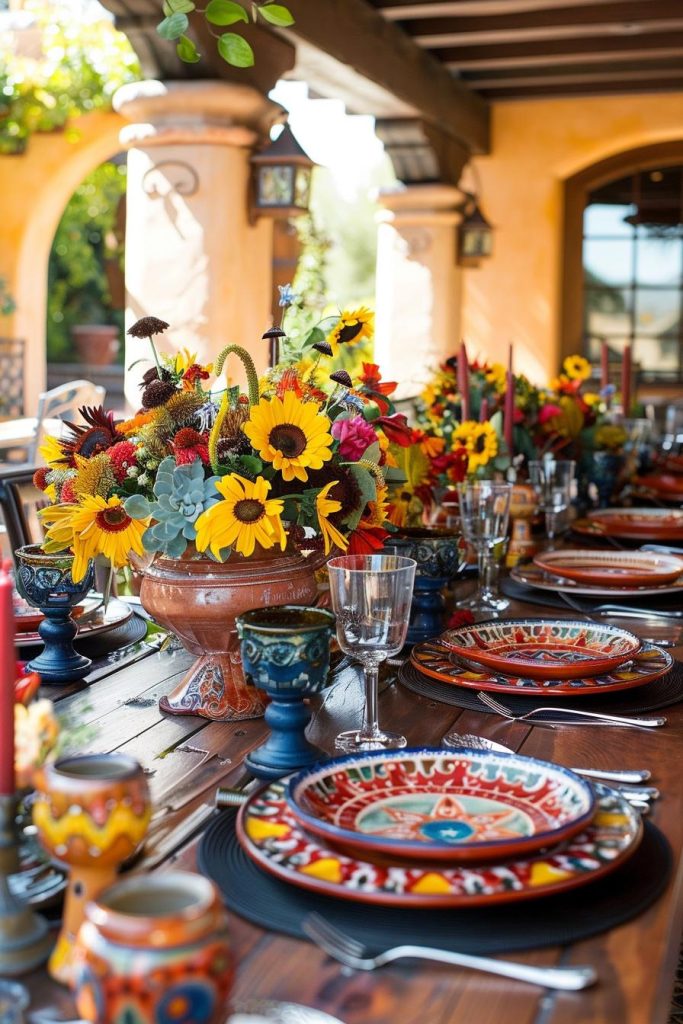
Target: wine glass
{"type": "Point", "coordinates": [371, 597]}
{"type": "Point", "coordinates": [553, 480]}
{"type": "Point", "coordinates": [484, 514]}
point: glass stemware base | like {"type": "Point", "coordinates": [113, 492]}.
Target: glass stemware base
{"type": "Point", "coordinates": [353, 741]}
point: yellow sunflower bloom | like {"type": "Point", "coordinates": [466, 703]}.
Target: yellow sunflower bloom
{"type": "Point", "coordinates": [51, 452]}
{"type": "Point", "coordinates": [290, 433]}
{"type": "Point", "coordinates": [324, 507]}
{"type": "Point", "coordinates": [95, 526]}
{"type": "Point", "coordinates": [246, 517]}
{"type": "Point", "coordinates": [577, 368]}
{"type": "Point", "coordinates": [351, 328]}
{"type": "Point", "coordinates": [496, 374]}
{"type": "Point", "coordinates": [481, 442]}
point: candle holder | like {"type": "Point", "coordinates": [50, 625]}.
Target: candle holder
{"type": "Point", "coordinates": [24, 938]}
{"type": "Point", "coordinates": [45, 581]}
{"type": "Point", "coordinates": [92, 813]}
{"type": "Point", "coordinates": [286, 652]}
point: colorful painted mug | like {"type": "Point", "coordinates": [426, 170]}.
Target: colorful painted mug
{"type": "Point", "coordinates": [154, 950]}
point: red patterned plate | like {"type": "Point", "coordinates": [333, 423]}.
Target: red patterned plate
{"type": "Point", "coordinates": [602, 568]}
{"type": "Point", "coordinates": [440, 805]}
{"type": "Point", "coordinates": [433, 659]}
{"type": "Point", "coordinates": [668, 484]}
{"type": "Point", "coordinates": [270, 834]}
{"type": "Point", "coordinates": [531, 576]}
{"type": "Point", "coordinates": [633, 523]}
{"type": "Point", "coordinates": [544, 648]}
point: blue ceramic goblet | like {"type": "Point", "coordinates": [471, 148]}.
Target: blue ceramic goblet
{"type": "Point", "coordinates": [439, 558]}
{"type": "Point", "coordinates": [45, 581]}
{"type": "Point", "coordinates": [286, 652]}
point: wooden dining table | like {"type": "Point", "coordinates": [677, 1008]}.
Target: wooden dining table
{"type": "Point", "coordinates": [187, 757]}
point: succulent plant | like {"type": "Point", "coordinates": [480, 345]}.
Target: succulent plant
{"type": "Point", "coordinates": [181, 494]}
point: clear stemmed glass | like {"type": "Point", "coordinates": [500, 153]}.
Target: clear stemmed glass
{"type": "Point", "coordinates": [371, 597]}
{"type": "Point", "coordinates": [553, 480]}
{"type": "Point", "coordinates": [484, 513]}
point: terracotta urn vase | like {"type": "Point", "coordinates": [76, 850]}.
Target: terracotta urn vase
{"type": "Point", "coordinates": [154, 949]}
{"type": "Point", "coordinates": [198, 600]}
{"type": "Point", "coordinates": [91, 813]}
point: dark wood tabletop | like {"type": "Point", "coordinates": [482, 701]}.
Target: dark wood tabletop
{"type": "Point", "coordinates": [186, 758]}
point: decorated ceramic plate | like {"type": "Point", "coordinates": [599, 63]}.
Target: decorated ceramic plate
{"type": "Point", "coordinates": [434, 659]}
{"type": "Point", "coordinates": [533, 576]}
{"type": "Point", "coordinates": [27, 619]}
{"type": "Point", "coordinates": [668, 485]}
{"type": "Point", "coordinates": [633, 523]}
{"type": "Point", "coordinates": [544, 648]}
{"type": "Point", "coordinates": [270, 834]}
{"type": "Point", "coordinates": [440, 805]}
{"type": "Point", "coordinates": [625, 568]}
{"type": "Point", "coordinates": [98, 620]}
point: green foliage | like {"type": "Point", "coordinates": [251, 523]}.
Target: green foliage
{"type": "Point", "coordinates": [7, 304]}
{"type": "Point", "coordinates": [78, 290]}
{"type": "Point", "coordinates": [82, 66]}
{"type": "Point", "coordinates": [232, 47]}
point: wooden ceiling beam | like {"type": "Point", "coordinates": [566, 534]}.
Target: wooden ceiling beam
{"type": "Point", "coordinates": [402, 10]}
{"type": "Point", "coordinates": [514, 83]}
{"type": "Point", "coordinates": [358, 38]}
{"type": "Point", "coordinates": [604, 49]}
{"type": "Point", "coordinates": [483, 36]}
{"type": "Point", "coordinates": [656, 84]}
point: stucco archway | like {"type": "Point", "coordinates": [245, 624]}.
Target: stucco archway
{"type": "Point", "coordinates": [37, 186]}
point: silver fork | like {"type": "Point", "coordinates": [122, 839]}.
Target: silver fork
{"type": "Point", "coordinates": [600, 718]}
{"type": "Point", "coordinates": [352, 953]}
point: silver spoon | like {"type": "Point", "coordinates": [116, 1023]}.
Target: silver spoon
{"type": "Point", "coordinates": [628, 775]}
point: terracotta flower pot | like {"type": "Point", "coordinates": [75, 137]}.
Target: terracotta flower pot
{"type": "Point", "coordinates": [96, 344]}
{"type": "Point", "coordinates": [199, 599]}
{"type": "Point", "coordinates": [154, 949]}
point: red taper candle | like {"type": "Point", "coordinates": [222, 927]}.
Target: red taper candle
{"type": "Point", "coordinates": [464, 382]}
{"type": "Point", "coordinates": [509, 413]}
{"type": "Point", "coordinates": [604, 366]}
{"type": "Point", "coordinates": [8, 661]}
{"type": "Point", "coordinates": [484, 410]}
{"type": "Point", "coordinates": [626, 381]}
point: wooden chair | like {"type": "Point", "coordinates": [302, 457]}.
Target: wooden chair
{"type": "Point", "coordinates": [24, 435]}
{"type": "Point", "coordinates": [20, 500]}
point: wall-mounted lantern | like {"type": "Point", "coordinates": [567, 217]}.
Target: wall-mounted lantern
{"type": "Point", "coordinates": [281, 178]}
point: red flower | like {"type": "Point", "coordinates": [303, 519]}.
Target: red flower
{"type": "Point", "coordinates": [193, 374]}
{"type": "Point", "coordinates": [122, 455]}
{"type": "Point", "coordinates": [372, 378]}
{"type": "Point", "coordinates": [355, 436]}
{"type": "Point", "coordinates": [365, 540]}
{"type": "Point", "coordinates": [396, 428]}
{"type": "Point", "coordinates": [40, 478]}
{"type": "Point", "coordinates": [68, 495]}
{"type": "Point", "coordinates": [461, 618]}
{"type": "Point", "coordinates": [189, 445]}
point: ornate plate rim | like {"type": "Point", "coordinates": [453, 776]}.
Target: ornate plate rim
{"type": "Point", "coordinates": [88, 629]}
{"type": "Point", "coordinates": [517, 572]}
{"type": "Point", "coordinates": [494, 682]}
{"type": "Point", "coordinates": [339, 890]}
{"type": "Point", "coordinates": [595, 665]}
{"type": "Point", "coordinates": [348, 838]}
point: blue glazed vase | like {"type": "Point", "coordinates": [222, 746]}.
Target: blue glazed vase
{"type": "Point", "coordinates": [45, 581]}
{"type": "Point", "coordinates": [438, 554]}
{"type": "Point", "coordinates": [606, 471]}
{"type": "Point", "coordinates": [286, 652]}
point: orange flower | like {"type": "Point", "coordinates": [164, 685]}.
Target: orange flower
{"type": "Point", "coordinates": [139, 420]}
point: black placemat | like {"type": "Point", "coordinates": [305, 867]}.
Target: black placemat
{"type": "Point", "coordinates": [659, 694]}
{"type": "Point", "coordinates": [550, 599]}
{"type": "Point", "coordinates": [547, 921]}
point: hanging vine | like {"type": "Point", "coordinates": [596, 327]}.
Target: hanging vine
{"type": "Point", "coordinates": [219, 14]}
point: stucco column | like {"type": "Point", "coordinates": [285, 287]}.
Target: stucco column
{"type": "Point", "coordinates": [418, 283]}
{"type": "Point", "coordinates": [193, 257]}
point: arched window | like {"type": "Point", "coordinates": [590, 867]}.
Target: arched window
{"type": "Point", "coordinates": [623, 280]}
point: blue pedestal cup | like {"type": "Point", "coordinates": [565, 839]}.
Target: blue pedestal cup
{"type": "Point", "coordinates": [286, 652]}
{"type": "Point", "coordinates": [438, 555]}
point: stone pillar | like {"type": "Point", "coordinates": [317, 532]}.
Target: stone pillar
{"type": "Point", "coordinates": [193, 256]}
{"type": "Point", "coordinates": [418, 283]}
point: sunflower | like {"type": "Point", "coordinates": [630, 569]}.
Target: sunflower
{"type": "Point", "coordinates": [245, 517]}
{"type": "Point", "coordinates": [52, 453]}
{"type": "Point", "coordinates": [496, 374]}
{"type": "Point", "coordinates": [351, 328]}
{"type": "Point", "coordinates": [95, 526]}
{"type": "Point", "coordinates": [577, 368]}
{"type": "Point", "coordinates": [481, 442]}
{"type": "Point", "coordinates": [291, 434]}
{"type": "Point", "coordinates": [324, 507]}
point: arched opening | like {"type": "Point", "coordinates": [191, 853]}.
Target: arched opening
{"type": "Point", "coordinates": [614, 285]}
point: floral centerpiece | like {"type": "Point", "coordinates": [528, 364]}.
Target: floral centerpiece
{"type": "Point", "coordinates": [291, 466]}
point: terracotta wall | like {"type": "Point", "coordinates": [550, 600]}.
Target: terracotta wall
{"type": "Point", "coordinates": [536, 145]}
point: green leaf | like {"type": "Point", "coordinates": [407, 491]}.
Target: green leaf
{"type": "Point", "coordinates": [276, 14]}
{"type": "Point", "coordinates": [187, 51]}
{"type": "Point", "coordinates": [178, 6]}
{"type": "Point", "coordinates": [137, 506]}
{"type": "Point", "coordinates": [251, 464]}
{"type": "Point", "coordinates": [225, 12]}
{"type": "Point", "coordinates": [173, 27]}
{"type": "Point", "coordinates": [235, 50]}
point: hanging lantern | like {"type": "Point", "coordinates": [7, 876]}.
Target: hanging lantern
{"type": "Point", "coordinates": [475, 234]}
{"type": "Point", "coordinates": [281, 178]}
